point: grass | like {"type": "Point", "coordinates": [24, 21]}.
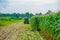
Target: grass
{"type": "Point", "coordinates": [8, 21]}
{"type": "Point", "coordinates": [27, 34]}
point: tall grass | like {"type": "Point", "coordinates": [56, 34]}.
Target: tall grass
{"type": "Point", "coordinates": [49, 24]}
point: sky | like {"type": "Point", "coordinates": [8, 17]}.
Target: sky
{"type": "Point", "coordinates": [33, 6]}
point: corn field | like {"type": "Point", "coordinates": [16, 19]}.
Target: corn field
{"type": "Point", "coordinates": [49, 24]}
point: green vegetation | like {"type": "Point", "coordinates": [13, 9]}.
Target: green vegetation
{"type": "Point", "coordinates": [7, 18]}
{"type": "Point", "coordinates": [49, 24]}
{"type": "Point", "coordinates": [7, 21]}
{"type": "Point", "coordinates": [16, 15]}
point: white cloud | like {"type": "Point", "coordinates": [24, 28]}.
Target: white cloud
{"type": "Point", "coordinates": [36, 1]}
{"type": "Point", "coordinates": [30, 5]}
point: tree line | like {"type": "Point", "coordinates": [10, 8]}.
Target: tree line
{"type": "Point", "coordinates": [16, 15]}
{"type": "Point", "coordinates": [21, 15]}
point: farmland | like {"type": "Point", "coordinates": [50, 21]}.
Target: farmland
{"type": "Point", "coordinates": [40, 27]}
{"type": "Point", "coordinates": [48, 25]}
{"type": "Point", "coordinates": [29, 19]}
{"type": "Point", "coordinates": [13, 28]}
{"type": "Point", "coordinates": [18, 31]}
{"type": "Point", "coordinates": [6, 21]}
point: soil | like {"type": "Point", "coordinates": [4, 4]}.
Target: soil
{"type": "Point", "coordinates": [7, 32]}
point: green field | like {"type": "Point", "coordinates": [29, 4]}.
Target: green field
{"type": "Point", "coordinates": [41, 27]}
{"type": "Point", "coordinates": [7, 21]}
{"type": "Point", "coordinates": [49, 24]}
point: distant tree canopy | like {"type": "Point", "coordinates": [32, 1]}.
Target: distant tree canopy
{"type": "Point", "coordinates": [49, 11]}
{"type": "Point", "coordinates": [16, 15]}
{"type": "Point", "coordinates": [27, 14]}
{"type": "Point", "coordinates": [39, 13]}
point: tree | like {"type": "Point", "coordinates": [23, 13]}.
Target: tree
{"type": "Point", "coordinates": [17, 15]}
{"type": "Point", "coordinates": [30, 15]}
{"type": "Point", "coordinates": [49, 11]}
{"type": "Point", "coordinates": [40, 13]}
{"type": "Point", "coordinates": [27, 14]}
{"type": "Point", "coordinates": [36, 14]}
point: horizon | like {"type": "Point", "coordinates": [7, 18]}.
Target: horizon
{"type": "Point", "coordinates": [32, 6]}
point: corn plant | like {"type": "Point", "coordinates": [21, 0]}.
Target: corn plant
{"type": "Point", "coordinates": [49, 23]}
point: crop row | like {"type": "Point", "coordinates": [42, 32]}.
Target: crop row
{"type": "Point", "coordinates": [48, 23]}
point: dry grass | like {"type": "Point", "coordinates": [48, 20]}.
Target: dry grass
{"type": "Point", "coordinates": [18, 31]}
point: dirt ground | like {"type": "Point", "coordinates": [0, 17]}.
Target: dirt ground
{"type": "Point", "coordinates": [7, 32]}
{"type": "Point", "coordinates": [18, 31]}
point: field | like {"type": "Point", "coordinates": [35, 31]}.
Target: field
{"type": "Point", "coordinates": [40, 27]}
{"type": "Point", "coordinates": [15, 29]}
{"type": "Point", "coordinates": [18, 31]}
{"type": "Point", "coordinates": [6, 21]}
{"type": "Point", "coordinates": [48, 25]}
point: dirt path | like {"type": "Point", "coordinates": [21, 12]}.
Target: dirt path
{"type": "Point", "coordinates": [9, 31]}
{"type": "Point", "coordinates": [18, 31]}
